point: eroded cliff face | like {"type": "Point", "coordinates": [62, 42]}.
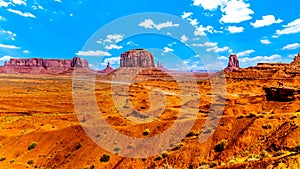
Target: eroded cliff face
{"type": "Point", "coordinates": [42, 66]}
{"type": "Point", "coordinates": [137, 58]}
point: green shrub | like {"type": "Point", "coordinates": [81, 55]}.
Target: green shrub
{"type": "Point", "coordinates": [31, 161]}
{"type": "Point", "coordinates": [32, 146]}
{"type": "Point", "coordinates": [2, 158]}
{"type": "Point", "coordinates": [221, 145]}
{"type": "Point", "coordinates": [146, 132]}
{"type": "Point", "coordinates": [78, 146]}
{"type": "Point", "coordinates": [267, 126]}
{"type": "Point", "coordinates": [105, 158]}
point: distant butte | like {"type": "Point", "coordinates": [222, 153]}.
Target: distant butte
{"type": "Point", "coordinates": [233, 63]}
{"type": "Point", "coordinates": [42, 66]}
{"type": "Point", "coordinates": [137, 58]}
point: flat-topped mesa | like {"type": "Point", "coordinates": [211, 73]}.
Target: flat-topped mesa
{"type": "Point", "coordinates": [137, 58]}
{"type": "Point", "coordinates": [42, 66]}
{"type": "Point", "coordinates": [233, 63]}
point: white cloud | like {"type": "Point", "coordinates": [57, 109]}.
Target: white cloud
{"type": "Point", "coordinates": [25, 14]}
{"type": "Point", "coordinates": [8, 33]}
{"type": "Point", "coordinates": [213, 47]}
{"type": "Point", "coordinates": [148, 23]}
{"type": "Point", "coordinates": [193, 22]}
{"type": "Point", "coordinates": [291, 46]}
{"type": "Point", "coordinates": [245, 53]}
{"type": "Point", "coordinates": [166, 50]}
{"type": "Point", "coordinates": [93, 53]}
{"type": "Point", "coordinates": [184, 38]}
{"type": "Point", "coordinates": [4, 3]}
{"type": "Point", "coordinates": [217, 49]}
{"type": "Point", "coordinates": [236, 11]}
{"type": "Point", "coordinates": [235, 29]}
{"type": "Point", "coordinates": [112, 61]}
{"type": "Point", "coordinates": [222, 58]}
{"type": "Point", "coordinates": [113, 46]}
{"type": "Point", "coordinates": [5, 58]}
{"type": "Point", "coordinates": [114, 38]}
{"type": "Point", "coordinates": [210, 4]}
{"type": "Point", "coordinates": [291, 28]}
{"type": "Point", "coordinates": [266, 21]}
{"type": "Point", "coordinates": [260, 59]}
{"type": "Point", "coordinates": [19, 2]}
{"type": "Point", "coordinates": [172, 44]}
{"type": "Point", "coordinates": [2, 18]}
{"type": "Point", "coordinates": [186, 15]}
{"type": "Point", "coordinates": [9, 46]}
{"type": "Point", "coordinates": [26, 51]}
{"type": "Point", "coordinates": [59, 1]}
{"type": "Point", "coordinates": [207, 44]}
{"type": "Point", "coordinates": [265, 41]}
{"type": "Point", "coordinates": [131, 43]}
{"type": "Point", "coordinates": [200, 31]}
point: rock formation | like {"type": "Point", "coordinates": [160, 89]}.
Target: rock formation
{"type": "Point", "coordinates": [137, 58]}
{"type": "Point", "coordinates": [296, 60]}
{"type": "Point", "coordinates": [160, 66]}
{"type": "Point", "coordinates": [233, 63]}
{"type": "Point", "coordinates": [108, 69]}
{"type": "Point", "coordinates": [42, 66]}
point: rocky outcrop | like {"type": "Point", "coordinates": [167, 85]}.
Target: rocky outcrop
{"type": "Point", "coordinates": [281, 94]}
{"type": "Point", "coordinates": [160, 66]}
{"type": "Point", "coordinates": [296, 60]}
{"type": "Point", "coordinates": [42, 66]}
{"type": "Point", "coordinates": [233, 63]}
{"type": "Point", "coordinates": [137, 58]}
{"type": "Point", "coordinates": [108, 69]}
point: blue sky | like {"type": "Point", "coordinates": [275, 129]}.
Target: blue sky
{"type": "Point", "coordinates": [257, 31]}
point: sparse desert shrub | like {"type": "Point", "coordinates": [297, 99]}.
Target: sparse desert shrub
{"type": "Point", "coordinates": [78, 146]}
{"type": "Point", "coordinates": [2, 158]}
{"type": "Point", "coordinates": [251, 157]}
{"type": "Point", "coordinates": [263, 155]}
{"type": "Point", "coordinates": [294, 117]}
{"type": "Point", "coordinates": [12, 160]}
{"type": "Point", "coordinates": [31, 161]}
{"type": "Point", "coordinates": [240, 117]}
{"type": "Point", "coordinates": [251, 115]}
{"type": "Point", "coordinates": [146, 132]}
{"type": "Point", "coordinates": [221, 145]}
{"type": "Point", "coordinates": [105, 158]}
{"type": "Point", "coordinates": [158, 158]}
{"type": "Point", "coordinates": [117, 150]}
{"type": "Point", "coordinates": [279, 153]}
{"type": "Point", "coordinates": [178, 146]}
{"type": "Point", "coordinates": [213, 164]}
{"type": "Point", "coordinates": [165, 154]}
{"type": "Point", "coordinates": [267, 126]}
{"type": "Point", "coordinates": [32, 146]}
{"type": "Point", "coordinates": [191, 134]}
{"type": "Point", "coordinates": [68, 154]}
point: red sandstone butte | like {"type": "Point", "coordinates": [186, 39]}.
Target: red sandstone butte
{"type": "Point", "coordinates": [233, 63]}
{"type": "Point", "coordinates": [108, 69]}
{"type": "Point", "coordinates": [42, 66]}
{"type": "Point", "coordinates": [137, 58]}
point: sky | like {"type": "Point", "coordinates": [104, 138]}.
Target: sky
{"type": "Point", "coordinates": [189, 35]}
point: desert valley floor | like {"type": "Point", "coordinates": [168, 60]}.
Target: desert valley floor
{"type": "Point", "coordinates": [39, 127]}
